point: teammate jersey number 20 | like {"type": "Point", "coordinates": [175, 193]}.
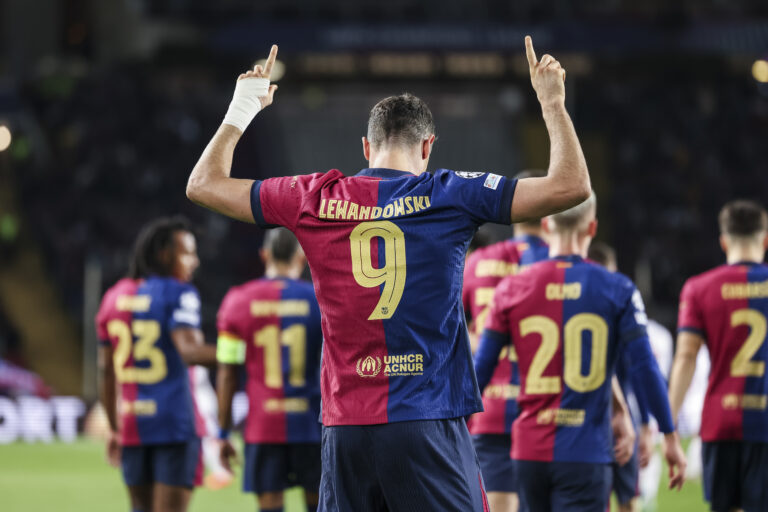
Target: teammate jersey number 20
{"type": "Point", "coordinates": [391, 275]}
{"type": "Point", "coordinates": [573, 333]}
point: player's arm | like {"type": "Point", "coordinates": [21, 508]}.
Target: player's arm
{"type": "Point", "coordinates": [645, 436]}
{"type": "Point", "coordinates": [190, 343]}
{"type": "Point", "coordinates": [230, 353]}
{"type": "Point", "coordinates": [645, 374]}
{"type": "Point", "coordinates": [210, 184]}
{"type": "Point", "coordinates": [684, 366]}
{"type": "Point", "coordinates": [107, 386]}
{"type": "Point", "coordinates": [108, 397]}
{"type": "Point", "coordinates": [487, 355]}
{"type": "Point", "coordinates": [567, 181]}
{"type": "Point", "coordinates": [623, 430]}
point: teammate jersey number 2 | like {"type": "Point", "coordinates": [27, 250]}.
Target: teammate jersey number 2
{"type": "Point", "coordinates": [742, 364]}
{"type": "Point", "coordinates": [392, 274]}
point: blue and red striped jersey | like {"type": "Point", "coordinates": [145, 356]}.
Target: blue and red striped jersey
{"type": "Point", "coordinates": [728, 306]}
{"type": "Point", "coordinates": [136, 318]}
{"type": "Point", "coordinates": [386, 249]}
{"type": "Point", "coordinates": [277, 321]}
{"type": "Point", "coordinates": [485, 268]}
{"type": "Point", "coordinates": [569, 320]}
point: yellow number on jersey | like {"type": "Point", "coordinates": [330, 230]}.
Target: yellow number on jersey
{"type": "Point", "coordinates": [742, 365]}
{"type": "Point", "coordinates": [574, 339]}
{"type": "Point", "coordinates": [147, 332]}
{"type": "Point", "coordinates": [392, 274]}
{"type": "Point", "coordinates": [295, 338]}
{"type": "Point", "coordinates": [536, 383]}
{"type": "Point", "coordinates": [483, 297]}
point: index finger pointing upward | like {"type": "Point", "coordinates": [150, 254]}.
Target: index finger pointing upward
{"type": "Point", "coordinates": [529, 52]}
{"type": "Point", "coordinates": [270, 61]}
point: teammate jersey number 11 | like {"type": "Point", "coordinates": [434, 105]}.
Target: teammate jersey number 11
{"type": "Point", "coordinates": [392, 274]}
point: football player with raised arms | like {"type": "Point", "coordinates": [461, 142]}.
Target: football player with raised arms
{"type": "Point", "coordinates": [569, 321]}
{"type": "Point", "coordinates": [149, 331]}
{"type": "Point", "coordinates": [386, 249]}
{"type": "Point", "coordinates": [272, 326]}
{"type": "Point", "coordinates": [726, 309]}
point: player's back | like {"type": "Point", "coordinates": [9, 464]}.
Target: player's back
{"type": "Point", "coordinates": [279, 320]}
{"type": "Point", "coordinates": [485, 268]}
{"type": "Point", "coordinates": [567, 319]}
{"type": "Point", "coordinates": [728, 306]}
{"type": "Point", "coordinates": [386, 249]}
{"type": "Point", "coordinates": [137, 317]}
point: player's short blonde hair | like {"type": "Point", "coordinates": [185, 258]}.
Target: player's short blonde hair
{"type": "Point", "coordinates": [575, 218]}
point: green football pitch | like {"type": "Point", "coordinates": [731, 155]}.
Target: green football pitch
{"type": "Point", "coordinates": [75, 478]}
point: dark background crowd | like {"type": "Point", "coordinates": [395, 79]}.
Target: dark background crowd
{"type": "Point", "coordinates": [110, 111]}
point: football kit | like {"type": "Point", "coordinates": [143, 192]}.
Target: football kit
{"type": "Point", "coordinates": [386, 249]}
{"type": "Point", "coordinates": [272, 326]}
{"type": "Point", "coordinates": [569, 321]}
{"type": "Point", "coordinates": [727, 306]}
{"type": "Point", "coordinates": [160, 429]}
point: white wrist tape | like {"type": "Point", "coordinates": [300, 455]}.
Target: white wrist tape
{"type": "Point", "coordinates": [245, 102]}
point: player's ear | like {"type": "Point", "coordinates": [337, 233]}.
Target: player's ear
{"type": "Point", "coordinates": [592, 228]}
{"type": "Point", "coordinates": [366, 149]}
{"type": "Point", "coordinates": [426, 147]}
{"type": "Point", "coordinates": [765, 241]}
{"type": "Point", "coordinates": [263, 255]}
{"type": "Point", "coordinates": [545, 225]}
{"type": "Point", "coordinates": [724, 243]}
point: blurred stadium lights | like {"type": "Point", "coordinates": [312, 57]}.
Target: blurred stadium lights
{"type": "Point", "coordinates": [760, 71]}
{"type": "Point", "coordinates": [278, 69]}
{"type": "Point", "coordinates": [412, 64]}
{"type": "Point", "coordinates": [5, 137]}
{"type": "Point", "coordinates": [330, 64]}
{"type": "Point", "coordinates": [475, 64]}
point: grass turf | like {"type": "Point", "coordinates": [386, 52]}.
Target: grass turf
{"type": "Point", "coordinates": [75, 478]}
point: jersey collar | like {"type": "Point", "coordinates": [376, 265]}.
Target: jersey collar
{"type": "Point", "coordinates": [381, 172]}
{"type": "Point", "coordinates": [573, 258]}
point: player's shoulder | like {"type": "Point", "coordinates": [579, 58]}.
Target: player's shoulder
{"type": "Point", "coordinates": [527, 281]}
{"type": "Point", "coordinates": [170, 289]}
{"type": "Point", "coordinates": [302, 286]}
{"type": "Point", "coordinates": [705, 279]}
{"type": "Point", "coordinates": [450, 178]}
{"type": "Point", "coordinates": [124, 286]}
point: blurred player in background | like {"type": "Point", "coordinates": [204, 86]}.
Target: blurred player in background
{"type": "Point", "coordinates": [726, 308]}
{"type": "Point", "coordinates": [272, 326]}
{"type": "Point", "coordinates": [149, 331]}
{"type": "Point", "coordinates": [386, 248]}
{"type": "Point", "coordinates": [626, 476]}
{"type": "Point", "coordinates": [491, 429]}
{"type": "Point", "coordinates": [570, 321]}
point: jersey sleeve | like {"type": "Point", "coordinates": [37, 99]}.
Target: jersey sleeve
{"type": "Point", "coordinates": [485, 197]}
{"type": "Point", "coordinates": [633, 321]}
{"type": "Point", "coordinates": [689, 317]}
{"type": "Point", "coordinates": [230, 344]}
{"type": "Point", "coordinates": [278, 201]}
{"type": "Point", "coordinates": [495, 336]}
{"type": "Point", "coordinates": [185, 308]}
{"type": "Point", "coordinates": [101, 323]}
